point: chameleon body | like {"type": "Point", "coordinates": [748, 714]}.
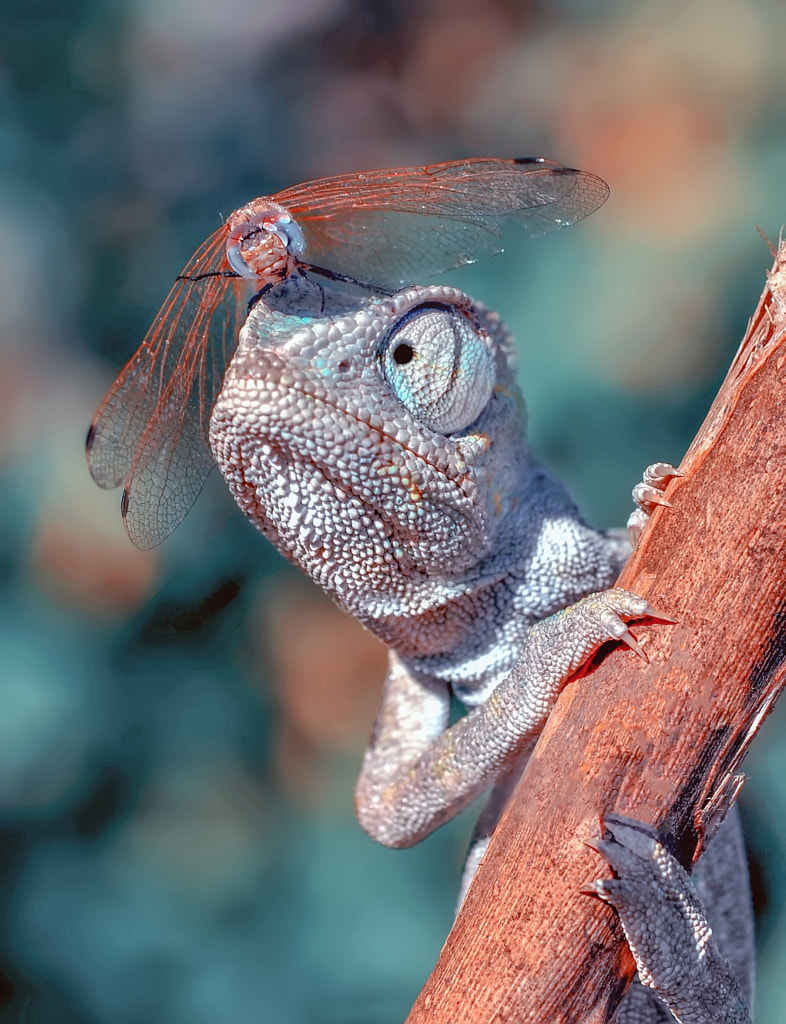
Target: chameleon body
{"type": "Point", "coordinates": [379, 443]}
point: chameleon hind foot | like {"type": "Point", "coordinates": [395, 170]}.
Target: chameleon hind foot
{"type": "Point", "coordinates": [666, 926]}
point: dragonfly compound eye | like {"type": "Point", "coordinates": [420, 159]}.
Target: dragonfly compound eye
{"type": "Point", "coordinates": [263, 237]}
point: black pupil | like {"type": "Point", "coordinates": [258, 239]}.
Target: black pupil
{"type": "Point", "coordinates": [403, 353]}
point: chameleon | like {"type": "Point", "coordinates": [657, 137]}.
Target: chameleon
{"type": "Point", "coordinates": [378, 440]}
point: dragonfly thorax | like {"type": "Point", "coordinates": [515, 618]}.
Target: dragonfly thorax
{"type": "Point", "coordinates": [263, 240]}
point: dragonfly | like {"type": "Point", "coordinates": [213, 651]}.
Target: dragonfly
{"type": "Point", "coordinates": [375, 229]}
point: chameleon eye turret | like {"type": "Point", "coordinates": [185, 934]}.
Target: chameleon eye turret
{"type": "Point", "coordinates": [440, 367]}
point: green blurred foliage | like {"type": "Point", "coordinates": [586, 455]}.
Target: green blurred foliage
{"type": "Point", "coordinates": [177, 840]}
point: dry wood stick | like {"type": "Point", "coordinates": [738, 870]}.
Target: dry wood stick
{"type": "Point", "coordinates": [660, 742]}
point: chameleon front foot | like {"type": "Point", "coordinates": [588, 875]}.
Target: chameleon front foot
{"type": "Point", "coordinates": [569, 638]}
{"type": "Point", "coordinates": [563, 644]}
{"type": "Point", "coordinates": [647, 495]}
{"type": "Point", "coordinates": [604, 616]}
{"type": "Point", "coordinates": [666, 926]}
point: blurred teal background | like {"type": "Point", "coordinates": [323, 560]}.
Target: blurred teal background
{"type": "Point", "coordinates": [180, 729]}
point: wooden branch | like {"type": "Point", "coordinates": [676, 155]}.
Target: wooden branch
{"type": "Point", "coordinates": [660, 742]}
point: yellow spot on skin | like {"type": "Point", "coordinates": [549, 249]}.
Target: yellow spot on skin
{"type": "Point", "coordinates": [445, 767]}
{"type": "Point", "coordinates": [494, 707]}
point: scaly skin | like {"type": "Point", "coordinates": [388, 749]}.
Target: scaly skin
{"type": "Point", "coordinates": [379, 443]}
{"type": "Point", "coordinates": [666, 926]}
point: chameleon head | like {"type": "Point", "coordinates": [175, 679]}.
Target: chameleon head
{"type": "Point", "coordinates": [363, 444]}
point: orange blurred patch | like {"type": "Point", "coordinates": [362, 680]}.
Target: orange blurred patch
{"type": "Point", "coordinates": [451, 57]}
{"type": "Point", "coordinates": [98, 574]}
{"type": "Point", "coordinates": [667, 154]}
{"type": "Point", "coordinates": [661, 107]}
{"type": "Point", "coordinates": [328, 671]}
{"type": "Point", "coordinates": [79, 552]}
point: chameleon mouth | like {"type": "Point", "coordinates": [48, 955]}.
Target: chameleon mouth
{"type": "Point", "coordinates": [442, 468]}
{"type": "Point", "coordinates": [448, 460]}
{"type": "Point", "coordinates": [404, 471]}
{"type": "Point", "coordinates": [396, 502]}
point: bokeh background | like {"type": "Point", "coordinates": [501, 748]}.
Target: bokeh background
{"type": "Point", "coordinates": [180, 729]}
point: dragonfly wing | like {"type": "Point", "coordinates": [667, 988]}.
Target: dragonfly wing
{"type": "Point", "coordinates": [160, 493]}
{"type": "Point", "coordinates": [121, 420]}
{"type": "Point", "coordinates": [400, 223]}
{"type": "Point", "coordinates": [392, 248]}
{"type": "Point", "coordinates": [150, 432]}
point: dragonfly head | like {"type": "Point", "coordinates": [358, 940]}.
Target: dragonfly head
{"type": "Point", "coordinates": [263, 241]}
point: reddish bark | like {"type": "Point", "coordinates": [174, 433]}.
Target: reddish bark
{"type": "Point", "coordinates": [660, 742]}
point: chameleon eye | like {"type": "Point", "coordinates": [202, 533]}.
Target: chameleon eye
{"type": "Point", "coordinates": [440, 368]}
{"type": "Point", "coordinates": [403, 353]}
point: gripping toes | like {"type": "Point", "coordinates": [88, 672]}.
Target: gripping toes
{"type": "Point", "coordinates": [559, 647]}
{"type": "Point", "coordinates": [647, 495]}
{"type": "Point", "coordinates": [666, 926]}
{"type": "Point", "coordinates": [603, 616]}
{"type": "Point", "coordinates": [653, 895]}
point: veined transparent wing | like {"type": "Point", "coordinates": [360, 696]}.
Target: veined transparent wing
{"type": "Point", "coordinates": [150, 432]}
{"type": "Point", "coordinates": [389, 227]}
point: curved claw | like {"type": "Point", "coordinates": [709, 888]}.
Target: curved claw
{"type": "Point", "coordinates": [644, 495]}
{"type": "Point", "coordinates": [647, 495]}
{"type": "Point", "coordinates": [655, 613]}
{"type": "Point", "coordinates": [661, 472]}
{"type": "Point", "coordinates": [630, 640]}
